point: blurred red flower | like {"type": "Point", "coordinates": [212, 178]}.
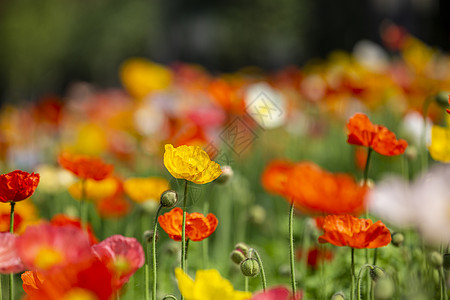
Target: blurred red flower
{"type": "Point", "coordinates": [277, 293]}
{"type": "Point", "coordinates": [123, 256]}
{"type": "Point", "coordinates": [198, 227]}
{"type": "Point", "coordinates": [316, 191]}
{"type": "Point", "coordinates": [10, 261]}
{"type": "Point", "coordinates": [315, 255]}
{"type": "Point", "coordinates": [85, 167]}
{"type": "Point", "coordinates": [64, 220]}
{"type": "Point", "coordinates": [362, 132]}
{"type": "Point", "coordinates": [275, 176]}
{"type": "Point", "coordinates": [346, 230]}
{"type": "Point", "coordinates": [17, 185]}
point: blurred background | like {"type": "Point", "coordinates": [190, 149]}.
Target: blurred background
{"type": "Point", "coordinates": [48, 44]}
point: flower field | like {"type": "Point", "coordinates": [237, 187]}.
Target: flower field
{"type": "Point", "coordinates": [326, 181]}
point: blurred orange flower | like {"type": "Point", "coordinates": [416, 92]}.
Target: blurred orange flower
{"type": "Point", "coordinates": [198, 227]}
{"type": "Point", "coordinates": [85, 167]}
{"type": "Point", "coordinates": [316, 191]}
{"type": "Point", "coordinates": [274, 177]}
{"type": "Point", "coordinates": [17, 185]}
{"type": "Point", "coordinates": [346, 230]}
{"type": "Point", "coordinates": [362, 132]}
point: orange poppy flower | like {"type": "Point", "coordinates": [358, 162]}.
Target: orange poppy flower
{"type": "Point", "coordinates": [17, 185]}
{"type": "Point", "coordinates": [362, 132]}
{"type": "Point", "coordinates": [448, 110]}
{"type": "Point", "coordinates": [346, 230]}
{"type": "Point", "coordinates": [274, 177]}
{"type": "Point", "coordinates": [316, 191]}
{"type": "Point", "coordinates": [198, 227]}
{"type": "Point", "coordinates": [85, 167]}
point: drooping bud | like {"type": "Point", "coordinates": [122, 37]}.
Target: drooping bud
{"type": "Point", "coordinates": [250, 267]}
{"type": "Point", "coordinates": [148, 236]}
{"type": "Point", "coordinates": [237, 256]}
{"type": "Point", "coordinates": [338, 296]}
{"type": "Point", "coordinates": [384, 289]}
{"type": "Point", "coordinates": [257, 214]}
{"type": "Point", "coordinates": [227, 174]}
{"type": "Point", "coordinates": [242, 247]}
{"type": "Point", "coordinates": [436, 259]}
{"type": "Point", "coordinates": [169, 198]}
{"type": "Point", "coordinates": [377, 273]}
{"type": "Point", "coordinates": [411, 152]}
{"type": "Point", "coordinates": [397, 239]}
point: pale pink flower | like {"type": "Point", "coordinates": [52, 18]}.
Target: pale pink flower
{"type": "Point", "coordinates": [10, 262]}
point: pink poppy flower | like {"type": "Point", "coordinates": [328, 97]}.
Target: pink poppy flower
{"type": "Point", "coordinates": [277, 293]}
{"type": "Point", "coordinates": [123, 255]}
{"type": "Point", "coordinates": [45, 247]}
{"type": "Point", "coordinates": [10, 262]}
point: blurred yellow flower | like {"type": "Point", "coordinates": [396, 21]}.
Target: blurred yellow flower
{"type": "Point", "coordinates": [95, 190]}
{"type": "Point", "coordinates": [54, 179]}
{"type": "Point", "coordinates": [90, 140]}
{"type": "Point", "coordinates": [190, 163]}
{"type": "Point", "coordinates": [143, 189]}
{"type": "Point", "coordinates": [140, 77]}
{"type": "Point", "coordinates": [208, 285]}
{"type": "Point", "coordinates": [25, 214]}
{"type": "Point", "coordinates": [440, 144]}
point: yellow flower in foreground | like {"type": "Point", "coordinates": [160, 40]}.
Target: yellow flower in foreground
{"type": "Point", "coordinates": [143, 189]}
{"type": "Point", "coordinates": [208, 285]}
{"type": "Point", "coordinates": [190, 163]}
{"type": "Point", "coordinates": [95, 190]}
{"type": "Point", "coordinates": [440, 144]}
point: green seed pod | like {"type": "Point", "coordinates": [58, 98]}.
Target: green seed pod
{"type": "Point", "coordinates": [397, 239]}
{"type": "Point", "coordinates": [250, 267]}
{"type": "Point", "coordinates": [338, 296]}
{"type": "Point", "coordinates": [244, 248]}
{"type": "Point", "coordinates": [436, 259]}
{"type": "Point", "coordinates": [169, 198]}
{"type": "Point", "coordinates": [237, 256]}
{"type": "Point", "coordinates": [377, 273]}
{"type": "Point", "coordinates": [384, 289]}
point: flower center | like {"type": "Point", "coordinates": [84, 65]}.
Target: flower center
{"type": "Point", "coordinates": [47, 258]}
{"type": "Point", "coordinates": [80, 294]}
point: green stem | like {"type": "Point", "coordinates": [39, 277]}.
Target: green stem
{"type": "Point", "coordinates": [1, 290]}
{"type": "Point", "coordinates": [424, 155]}
{"type": "Point", "coordinates": [83, 205]}
{"type": "Point", "coordinates": [375, 255]}
{"type": "Point", "coordinates": [246, 283]}
{"type": "Point", "coordinates": [155, 228]}
{"type": "Point", "coordinates": [358, 282]}
{"type": "Point", "coordinates": [291, 247]}
{"type": "Point", "coordinates": [263, 274]}
{"type": "Point", "coordinates": [205, 241]}
{"type": "Point", "coordinates": [444, 295]}
{"type": "Point", "coordinates": [352, 270]}
{"type": "Point", "coordinates": [11, 230]}
{"type": "Point", "coordinates": [366, 168]}
{"type": "Point", "coordinates": [183, 231]}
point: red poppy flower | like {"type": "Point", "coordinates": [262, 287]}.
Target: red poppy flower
{"type": "Point", "coordinates": [85, 167]}
{"type": "Point", "coordinates": [17, 185]}
{"type": "Point", "coordinates": [274, 177]}
{"type": "Point", "coordinates": [316, 191]}
{"type": "Point", "coordinates": [315, 255]}
{"type": "Point", "coordinates": [198, 227]}
{"type": "Point", "coordinates": [346, 230]}
{"type": "Point", "coordinates": [63, 220]}
{"type": "Point", "coordinates": [448, 110]}
{"type": "Point", "coordinates": [123, 256]}
{"type": "Point", "coordinates": [277, 293]}
{"type": "Point", "coordinates": [362, 132]}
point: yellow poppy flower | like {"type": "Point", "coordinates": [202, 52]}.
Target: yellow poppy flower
{"type": "Point", "coordinates": [440, 144]}
{"type": "Point", "coordinates": [143, 189]}
{"type": "Point", "coordinates": [208, 285]}
{"type": "Point", "coordinates": [95, 190]}
{"type": "Point", "coordinates": [190, 163]}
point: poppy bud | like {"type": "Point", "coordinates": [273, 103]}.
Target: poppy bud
{"type": "Point", "coordinates": [376, 273]}
{"type": "Point", "coordinates": [237, 256]}
{"type": "Point", "coordinates": [397, 239]}
{"type": "Point", "coordinates": [411, 152]}
{"type": "Point", "coordinates": [442, 98]}
{"type": "Point", "coordinates": [227, 174]}
{"type": "Point", "coordinates": [447, 261]}
{"type": "Point", "coordinates": [257, 214]}
{"type": "Point", "coordinates": [338, 296]}
{"type": "Point", "coordinates": [436, 259]}
{"type": "Point", "coordinates": [169, 198]}
{"type": "Point", "coordinates": [384, 289]}
{"type": "Point", "coordinates": [250, 267]}
{"type": "Point", "coordinates": [242, 247]}
{"type": "Point", "coordinates": [148, 236]}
